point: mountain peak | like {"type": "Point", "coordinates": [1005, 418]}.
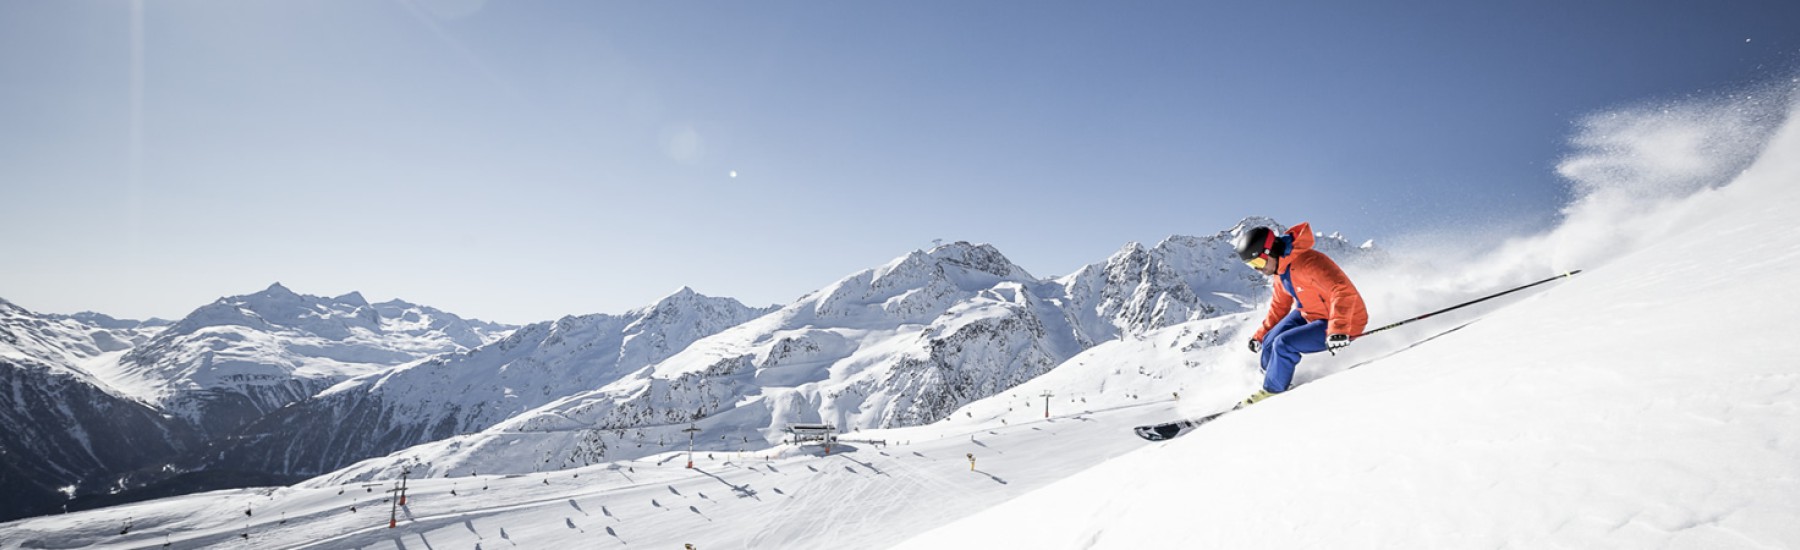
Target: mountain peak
{"type": "Point", "coordinates": [353, 298]}
{"type": "Point", "coordinates": [977, 257]}
{"type": "Point", "coordinates": [683, 297]}
{"type": "Point", "coordinates": [1257, 221]}
{"type": "Point", "coordinates": [1130, 248]}
{"type": "Point", "coordinates": [958, 249]}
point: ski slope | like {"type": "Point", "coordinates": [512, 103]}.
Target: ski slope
{"type": "Point", "coordinates": [858, 497]}
{"type": "Point", "coordinates": [875, 490]}
{"type": "Point", "coordinates": [1651, 402]}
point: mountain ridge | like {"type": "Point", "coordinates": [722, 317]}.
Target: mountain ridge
{"type": "Point", "coordinates": [901, 344]}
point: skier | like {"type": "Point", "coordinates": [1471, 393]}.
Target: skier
{"type": "Point", "coordinates": [1314, 307]}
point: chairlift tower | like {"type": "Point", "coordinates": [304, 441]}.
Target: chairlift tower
{"type": "Point", "coordinates": [1047, 395]}
{"type": "Point", "coordinates": [399, 498]}
{"type": "Point", "coordinates": [691, 431]}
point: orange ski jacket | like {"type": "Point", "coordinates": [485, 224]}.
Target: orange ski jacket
{"type": "Point", "coordinates": [1320, 287]}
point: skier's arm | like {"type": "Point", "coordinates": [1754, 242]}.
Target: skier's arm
{"type": "Point", "coordinates": [1279, 304]}
{"type": "Point", "coordinates": [1347, 314]}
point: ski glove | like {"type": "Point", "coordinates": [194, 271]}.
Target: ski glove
{"type": "Point", "coordinates": [1255, 346]}
{"type": "Point", "coordinates": [1337, 341]}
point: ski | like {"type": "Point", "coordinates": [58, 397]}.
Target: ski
{"type": "Point", "coordinates": [1172, 430]}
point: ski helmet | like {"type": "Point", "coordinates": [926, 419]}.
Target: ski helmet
{"type": "Point", "coordinates": [1257, 241]}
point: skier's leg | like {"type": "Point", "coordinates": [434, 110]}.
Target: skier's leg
{"type": "Point", "coordinates": [1283, 352]}
{"type": "Point", "coordinates": [1269, 355]}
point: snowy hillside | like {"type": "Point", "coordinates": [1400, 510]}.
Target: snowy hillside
{"type": "Point", "coordinates": [1355, 463]}
{"type": "Point", "coordinates": [465, 392]}
{"type": "Point", "coordinates": [871, 491]}
{"type": "Point", "coordinates": [63, 429]}
{"type": "Point", "coordinates": [231, 361]}
{"type": "Point", "coordinates": [97, 406]}
{"type": "Point", "coordinates": [81, 345]}
{"type": "Point", "coordinates": [1643, 404]}
{"type": "Point", "coordinates": [1620, 410]}
{"type": "Point", "coordinates": [904, 344]}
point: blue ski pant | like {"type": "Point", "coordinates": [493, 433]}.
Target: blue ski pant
{"type": "Point", "coordinates": [1282, 346]}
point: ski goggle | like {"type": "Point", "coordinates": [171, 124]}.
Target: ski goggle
{"type": "Point", "coordinates": [1257, 263]}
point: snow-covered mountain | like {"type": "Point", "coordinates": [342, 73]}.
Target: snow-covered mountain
{"type": "Point", "coordinates": [903, 344]}
{"type": "Point", "coordinates": [83, 343]}
{"type": "Point", "coordinates": [284, 383]}
{"type": "Point", "coordinates": [1183, 278]}
{"type": "Point", "coordinates": [1622, 408]}
{"type": "Point", "coordinates": [468, 391]}
{"type": "Point", "coordinates": [240, 357]}
{"type": "Point", "coordinates": [97, 405]}
{"type": "Point", "coordinates": [1642, 404]}
{"type": "Point", "coordinates": [64, 429]}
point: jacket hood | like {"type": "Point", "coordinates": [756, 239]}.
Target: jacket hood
{"type": "Point", "coordinates": [1302, 238]}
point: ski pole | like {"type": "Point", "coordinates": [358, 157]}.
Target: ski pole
{"type": "Point", "coordinates": [1470, 302]}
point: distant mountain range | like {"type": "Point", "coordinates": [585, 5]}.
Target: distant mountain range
{"type": "Point", "coordinates": [467, 391]}
{"type": "Point", "coordinates": [903, 344]}
{"type": "Point", "coordinates": [242, 357]}
{"type": "Point", "coordinates": [289, 385]}
{"type": "Point", "coordinates": [106, 405]}
{"type": "Point", "coordinates": [65, 431]}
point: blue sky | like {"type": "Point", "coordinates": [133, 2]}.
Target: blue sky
{"type": "Point", "coordinates": [522, 160]}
